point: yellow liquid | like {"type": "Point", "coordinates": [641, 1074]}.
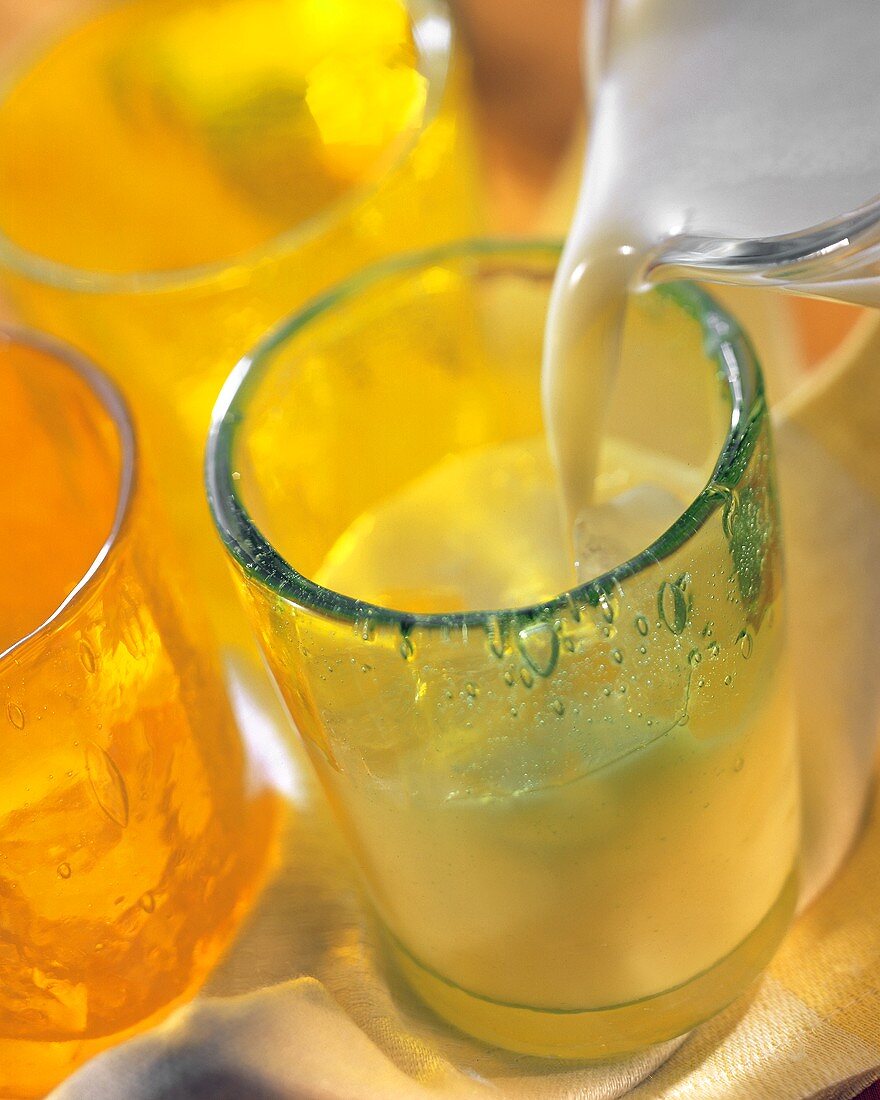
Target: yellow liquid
{"type": "Point", "coordinates": [288, 143]}
{"type": "Point", "coordinates": [168, 133]}
{"type": "Point", "coordinates": [556, 877]}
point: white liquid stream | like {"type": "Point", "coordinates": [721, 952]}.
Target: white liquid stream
{"type": "Point", "coordinates": [746, 119]}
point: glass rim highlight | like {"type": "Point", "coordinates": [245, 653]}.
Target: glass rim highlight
{"type": "Point", "coordinates": [110, 399]}
{"type": "Point", "coordinates": [435, 39]}
{"type": "Point", "coordinates": [723, 341]}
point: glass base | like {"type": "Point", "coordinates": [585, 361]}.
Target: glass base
{"type": "Point", "coordinates": [601, 1034]}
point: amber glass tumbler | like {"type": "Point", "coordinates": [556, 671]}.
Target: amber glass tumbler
{"type": "Point", "coordinates": [132, 834]}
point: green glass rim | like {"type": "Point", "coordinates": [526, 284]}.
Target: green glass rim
{"type": "Point", "coordinates": [723, 342]}
{"type": "Point", "coordinates": [108, 396]}
{"type": "Point", "coordinates": [434, 37]}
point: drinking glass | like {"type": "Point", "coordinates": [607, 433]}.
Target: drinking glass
{"type": "Point", "coordinates": [577, 818]}
{"type": "Point", "coordinates": [133, 831]}
{"type": "Point", "coordinates": [183, 173]}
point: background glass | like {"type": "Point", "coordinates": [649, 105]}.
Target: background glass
{"type": "Point", "coordinates": [133, 830]}
{"type": "Point", "coordinates": [577, 819]}
{"type": "Point", "coordinates": [185, 172]}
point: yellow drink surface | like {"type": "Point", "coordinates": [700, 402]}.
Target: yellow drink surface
{"type": "Point", "coordinates": [168, 133]}
{"type": "Point", "coordinates": [541, 853]}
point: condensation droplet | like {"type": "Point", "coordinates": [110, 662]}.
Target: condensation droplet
{"type": "Point", "coordinates": [509, 678]}
{"type": "Point", "coordinates": [643, 649]}
{"type": "Point", "coordinates": [87, 657]}
{"type": "Point", "coordinates": [608, 606]}
{"type": "Point", "coordinates": [694, 657]}
{"type": "Point", "coordinates": [558, 707]}
{"type": "Point", "coordinates": [407, 649]}
{"type": "Point", "coordinates": [539, 645]}
{"type": "Point", "coordinates": [527, 678]}
{"type": "Point", "coordinates": [617, 656]}
{"type": "Point", "coordinates": [64, 870]}
{"type": "Point", "coordinates": [495, 633]}
{"type": "Point", "coordinates": [739, 764]}
{"type": "Point", "coordinates": [714, 649]}
{"type": "Point", "coordinates": [15, 715]}
{"type": "Point", "coordinates": [728, 680]}
{"type": "Point", "coordinates": [701, 683]}
{"type": "Point", "coordinates": [107, 784]}
{"type": "Point", "coordinates": [147, 902]}
{"type": "Point", "coordinates": [672, 606]}
{"type": "Point", "coordinates": [568, 644]}
{"type": "Point", "coordinates": [746, 644]}
{"type": "Point", "coordinates": [642, 625]}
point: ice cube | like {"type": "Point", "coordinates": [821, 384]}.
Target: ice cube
{"type": "Point", "coordinates": [608, 534]}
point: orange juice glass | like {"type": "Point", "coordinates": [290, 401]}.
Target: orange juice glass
{"type": "Point", "coordinates": [132, 834]}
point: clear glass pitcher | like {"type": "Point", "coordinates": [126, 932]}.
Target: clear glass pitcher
{"type": "Point", "coordinates": [839, 259]}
